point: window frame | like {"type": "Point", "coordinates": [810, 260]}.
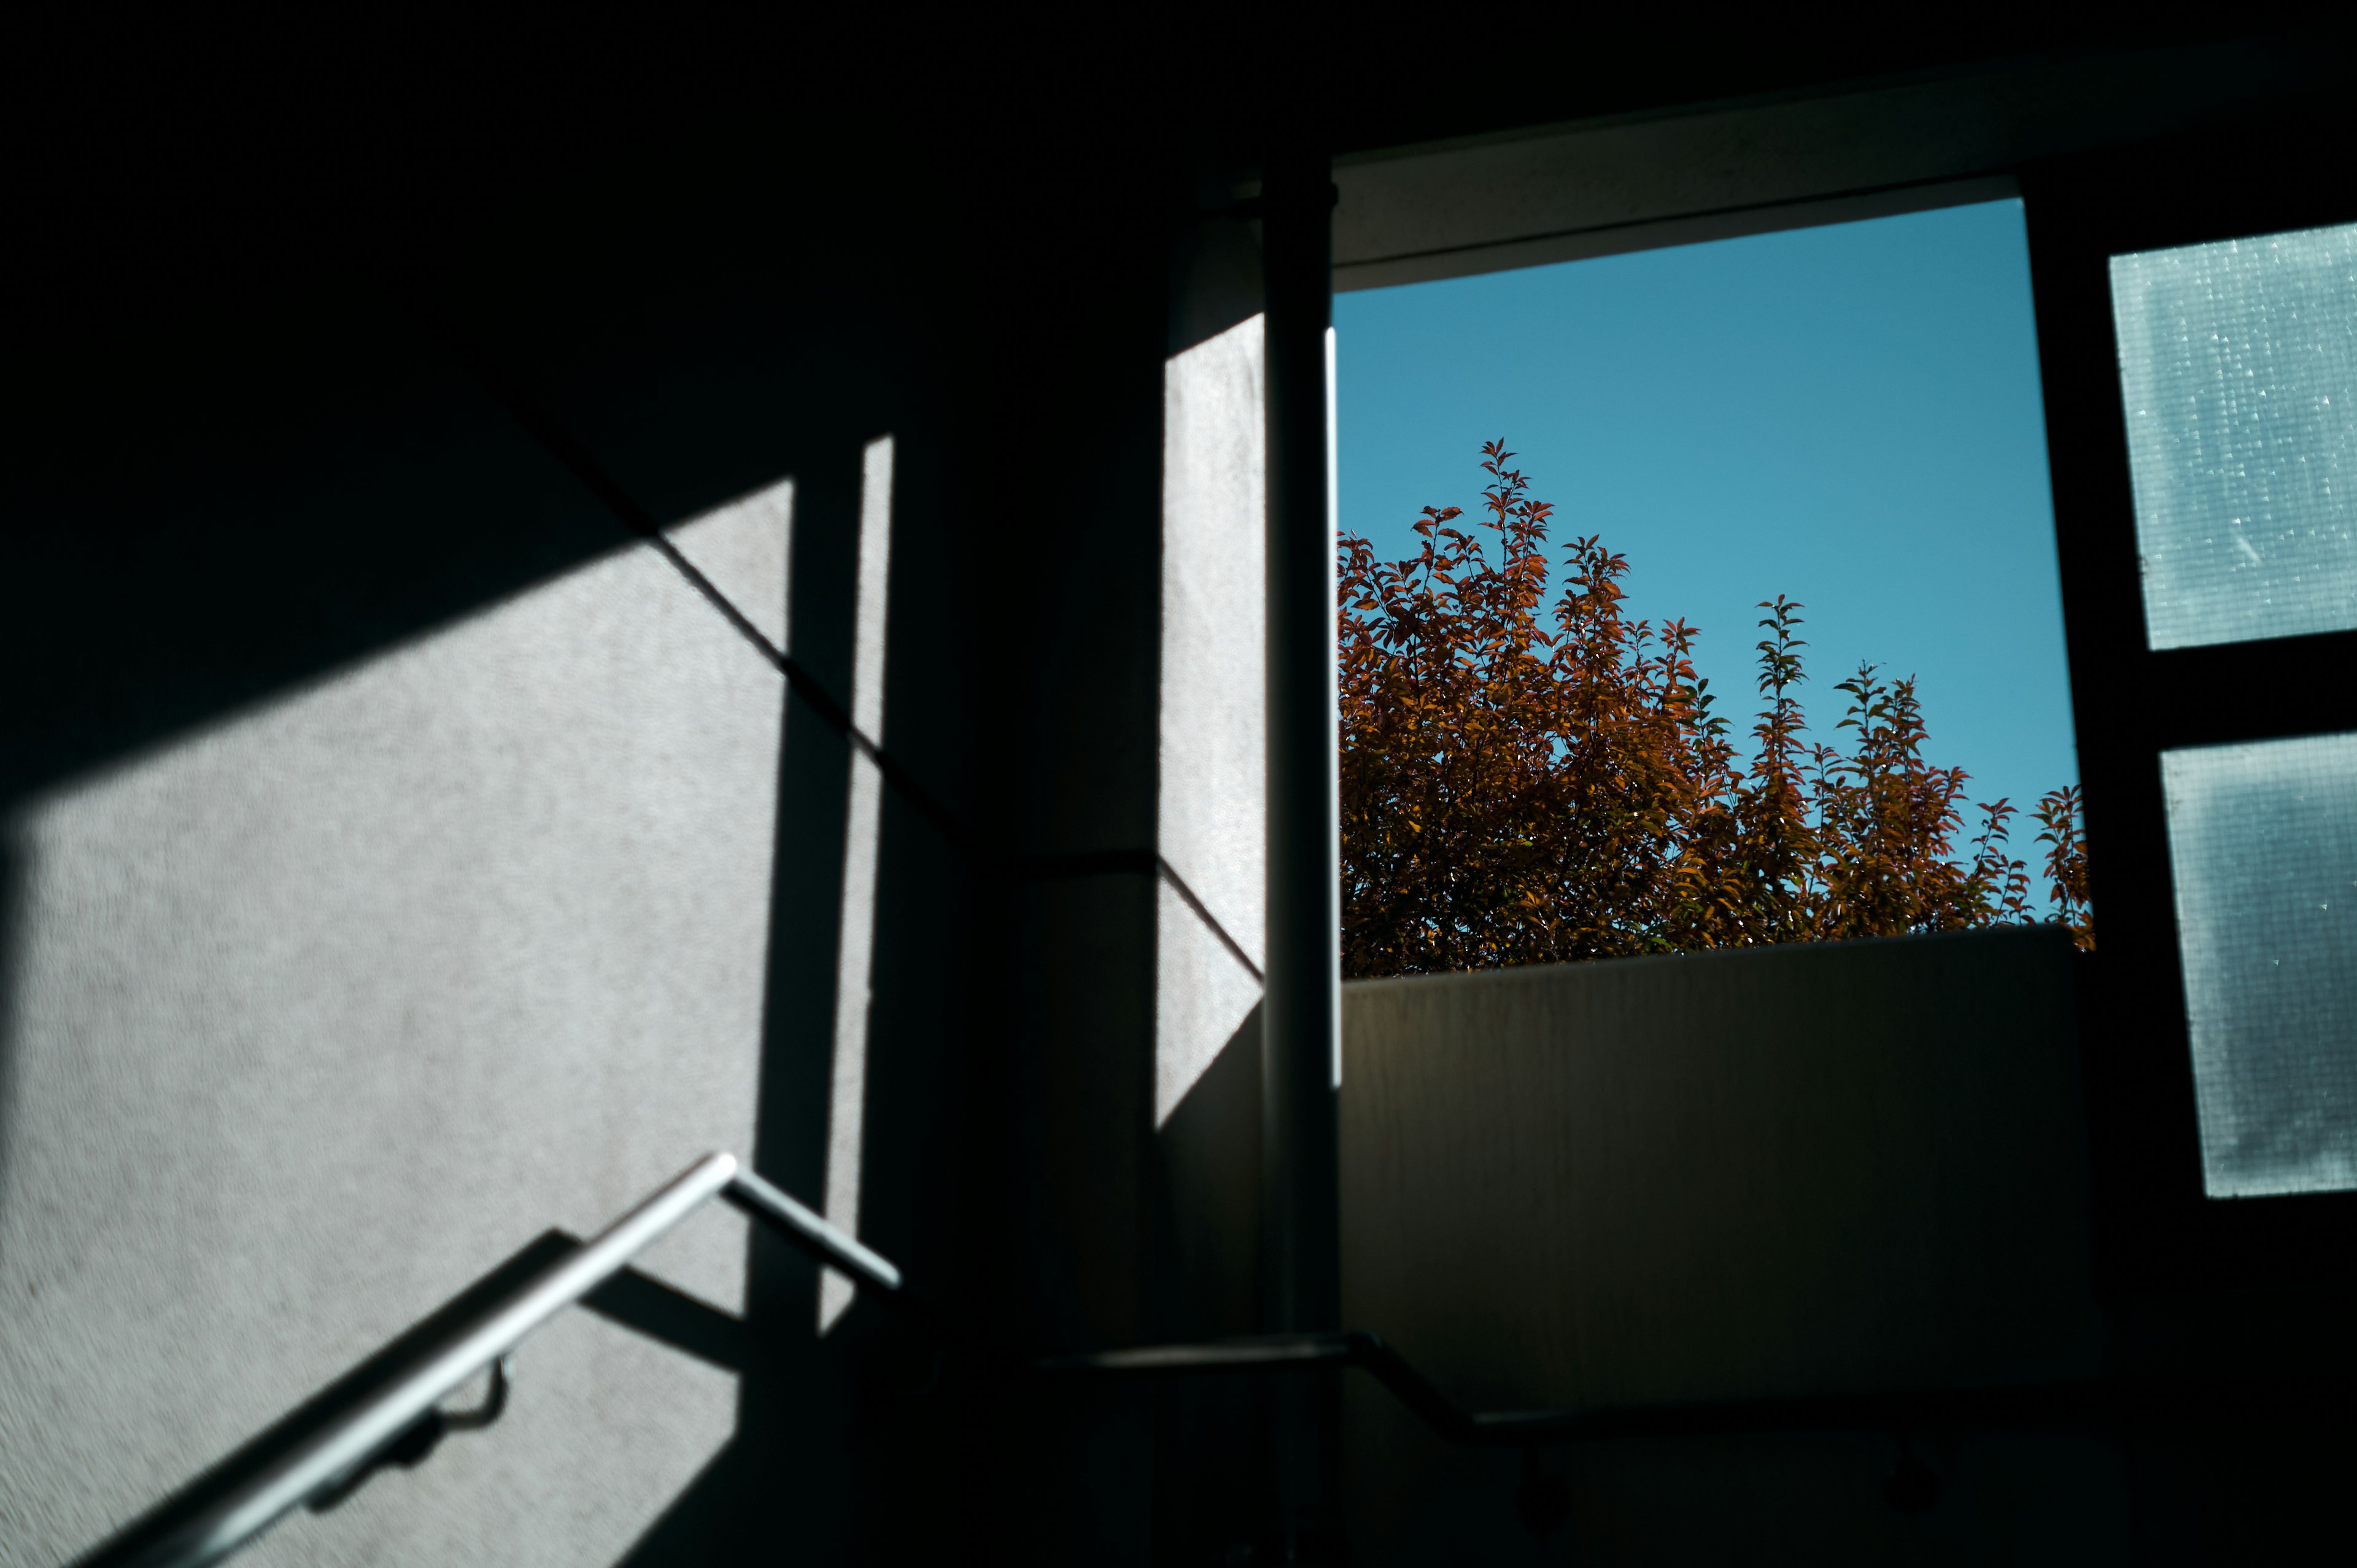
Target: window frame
{"type": "Point", "coordinates": [2158, 1228]}
{"type": "Point", "coordinates": [2134, 151]}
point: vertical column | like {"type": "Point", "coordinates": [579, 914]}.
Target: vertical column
{"type": "Point", "coordinates": [1302, 1011]}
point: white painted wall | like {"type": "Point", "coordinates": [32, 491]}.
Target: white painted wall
{"type": "Point", "coordinates": [321, 1013]}
{"type": "Point", "coordinates": [1210, 813]}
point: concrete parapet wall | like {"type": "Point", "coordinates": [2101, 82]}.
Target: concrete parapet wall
{"type": "Point", "coordinates": [1777, 1172]}
{"type": "Point", "coordinates": [1842, 1166]}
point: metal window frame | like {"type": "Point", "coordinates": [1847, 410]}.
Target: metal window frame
{"type": "Point", "coordinates": [2270, 174]}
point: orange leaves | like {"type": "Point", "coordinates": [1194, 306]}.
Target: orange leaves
{"type": "Point", "coordinates": [1510, 791]}
{"type": "Point", "coordinates": [2066, 861]}
{"type": "Point", "coordinates": [1527, 785]}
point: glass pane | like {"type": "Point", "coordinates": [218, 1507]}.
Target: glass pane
{"type": "Point", "coordinates": [2238, 368]}
{"type": "Point", "coordinates": [2263, 839]}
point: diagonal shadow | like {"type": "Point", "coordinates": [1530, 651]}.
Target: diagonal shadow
{"type": "Point", "coordinates": [630, 1299]}
{"type": "Point", "coordinates": [337, 1398]}
{"type": "Point", "coordinates": [710, 1522]}
{"type": "Point", "coordinates": [645, 1304]}
{"type": "Point", "coordinates": [315, 482]}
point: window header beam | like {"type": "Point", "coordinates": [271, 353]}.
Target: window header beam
{"type": "Point", "coordinates": [1713, 171]}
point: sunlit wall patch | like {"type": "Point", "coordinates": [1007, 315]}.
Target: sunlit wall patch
{"type": "Point", "coordinates": [1211, 811]}
{"type": "Point", "coordinates": [2263, 846]}
{"type": "Point", "coordinates": [847, 1104]}
{"type": "Point", "coordinates": [2238, 372]}
{"type": "Point", "coordinates": [305, 1007]}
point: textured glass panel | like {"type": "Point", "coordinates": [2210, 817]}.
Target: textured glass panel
{"type": "Point", "coordinates": [2238, 368]}
{"type": "Point", "coordinates": [2262, 841]}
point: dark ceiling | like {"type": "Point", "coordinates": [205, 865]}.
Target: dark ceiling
{"type": "Point", "coordinates": [269, 141]}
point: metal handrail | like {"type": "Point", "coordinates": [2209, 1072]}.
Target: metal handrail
{"type": "Point", "coordinates": [1347, 1348]}
{"type": "Point", "coordinates": [2109, 1396]}
{"type": "Point", "coordinates": [400, 1420]}
{"type": "Point", "coordinates": [327, 1464]}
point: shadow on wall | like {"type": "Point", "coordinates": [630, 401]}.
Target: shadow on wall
{"type": "Point", "coordinates": [731, 1505]}
{"type": "Point", "coordinates": [311, 1008]}
{"type": "Point", "coordinates": [11, 893]}
{"type": "Point", "coordinates": [1209, 1473]}
{"type": "Point", "coordinates": [631, 1299]}
{"type": "Point", "coordinates": [387, 864]}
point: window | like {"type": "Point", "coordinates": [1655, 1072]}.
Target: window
{"type": "Point", "coordinates": [2238, 369]}
{"type": "Point", "coordinates": [2197, 305]}
{"type": "Point", "coordinates": [2263, 844]}
{"type": "Point", "coordinates": [1845, 414]}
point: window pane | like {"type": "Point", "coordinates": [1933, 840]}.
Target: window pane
{"type": "Point", "coordinates": [2263, 839]}
{"type": "Point", "coordinates": [2238, 368]}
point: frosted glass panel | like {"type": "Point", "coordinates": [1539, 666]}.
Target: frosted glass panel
{"type": "Point", "coordinates": [2238, 368]}
{"type": "Point", "coordinates": [2262, 841]}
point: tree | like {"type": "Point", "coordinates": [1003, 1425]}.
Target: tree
{"type": "Point", "coordinates": [1529, 783]}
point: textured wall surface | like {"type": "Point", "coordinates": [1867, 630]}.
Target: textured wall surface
{"type": "Point", "coordinates": [319, 1012]}
{"type": "Point", "coordinates": [1789, 1171]}
{"type": "Point", "coordinates": [1209, 825]}
{"type": "Point", "coordinates": [1730, 1175]}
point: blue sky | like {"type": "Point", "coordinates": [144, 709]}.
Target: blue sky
{"type": "Point", "coordinates": [1848, 414]}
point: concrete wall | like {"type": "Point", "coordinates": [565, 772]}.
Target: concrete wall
{"type": "Point", "coordinates": [1807, 1171]}
{"type": "Point", "coordinates": [1728, 1175]}
{"type": "Point", "coordinates": [403, 857]}
{"type": "Point", "coordinates": [1791, 1173]}
{"type": "Point", "coordinates": [319, 1012]}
